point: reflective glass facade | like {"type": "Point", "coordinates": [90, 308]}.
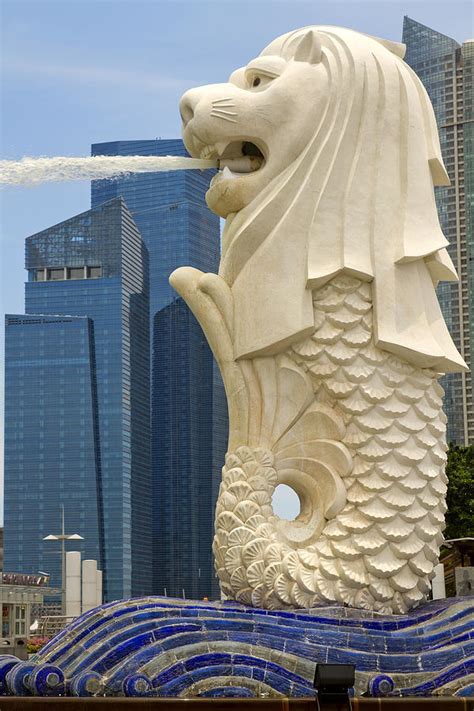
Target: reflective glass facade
{"type": "Point", "coordinates": [50, 457]}
{"type": "Point", "coordinates": [446, 70]}
{"type": "Point", "coordinates": [189, 411]}
{"type": "Point", "coordinates": [183, 455]}
{"type": "Point", "coordinates": [77, 402]}
{"type": "Point", "coordinates": [466, 214]}
{"type": "Point", "coordinates": [169, 210]}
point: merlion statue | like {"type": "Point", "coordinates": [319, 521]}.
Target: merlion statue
{"type": "Point", "coordinates": [325, 322]}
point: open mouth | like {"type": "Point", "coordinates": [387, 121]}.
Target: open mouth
{"type": "Point", "coordinates": [235, 159]}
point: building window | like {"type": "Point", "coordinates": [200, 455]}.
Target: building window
{"type": "Point", "coordinates": [40, 275]}
{"type": "Point", "coordinates": [20, 620]}
{"type": "Point", "coordinates": [55, 274]}
{"type": "Point", "coordinates": [94, 272]}
{"type": "Point", "coordinates": [6, 623]}
{"type": "Point", "coordinates": [75, 273]}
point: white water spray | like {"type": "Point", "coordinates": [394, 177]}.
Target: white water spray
{"type": "Point", "coordinates": [33, 171]}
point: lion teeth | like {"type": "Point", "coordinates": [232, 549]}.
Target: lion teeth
{"type": "Point", "coordinates": [244, 164]}
{"type": "Point", "coordinates": [226, 173]}
{"type": "Point", "coordinates": [220, 148]}
{"type": "Point", "coordinates": [208, 152]}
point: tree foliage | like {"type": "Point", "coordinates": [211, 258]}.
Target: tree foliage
{"type": "Point", "coordinates": [460, 497]}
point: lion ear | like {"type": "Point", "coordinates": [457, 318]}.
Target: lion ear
{"type": "Point", "coordinates": [397, 48]}
{"type": "Point", "coordinates": [309, 48]}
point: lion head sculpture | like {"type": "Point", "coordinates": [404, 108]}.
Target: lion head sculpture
{"type": "Point", "coordinates": [338, 152]}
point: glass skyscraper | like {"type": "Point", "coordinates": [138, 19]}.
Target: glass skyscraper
{"type": "Point", "coordinates": [187, 480]}
{"type": "Point", "coordinates": [189, 411]}
{"type": "Point", "coordinates": [170, 211]}
{"type": "Point", "coordinates": [446, 68]}
{"type": "Point", "coordinates": [77, 401]}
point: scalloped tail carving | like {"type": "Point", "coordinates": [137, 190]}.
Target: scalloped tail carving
{"type": "Point", "coordinates": [360, 436]}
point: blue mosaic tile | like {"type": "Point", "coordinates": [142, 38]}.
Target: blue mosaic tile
{"type": "Point", "coordinates": [184, 680]}
{"type": "Point", "coordinates": [120, 651]}
{"type": "Point", "coordinates": [455, 672]}
{"type": "Point", "coordinates": [439, 659]}
{"type": "Point", "coordinates": [457, 640]}
{"type": "Point", "coordinates": [121, 637]}
{"type": "Point", "coordinates": [299, 690]}
{"type": "Point", "coordinates": [177, 641]}
{"type": "Point", "coordinates": [242, 659]}
{"type": "Point", "coordinates": [174, 688]}
{"type": "Point", "coordinates": [399, 663]}
{"type": "Point", "coordinates": [467, 690]}
{"type": "Point", "coordinates": [269, 641]}
{"type": "Point", "coordinates": [316, 652]}
{"type": "Point", "coordinates": [205, 672]}
{"type": "Point", "coordinates": [362, 660]}
{"type": "Point", "coordinates": [258, 674]}
{"type": "Point", "coordinates": [17, 679]}
{"type": "Point", "coordinates": [207, 660]}
{"type": "Point", "coordinates": [242, 670]}
{"type": "Point", "coordinates": [169, 674]}
{"type": "Point", "coordinates": [7, 662]}
{"type": "Point", "coordinates": [46, 680]}
{"type": "Point", "coordinates": [277, 682]}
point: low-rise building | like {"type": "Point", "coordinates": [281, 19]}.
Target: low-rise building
{"type": "Point", "coordinates": [18, 594]}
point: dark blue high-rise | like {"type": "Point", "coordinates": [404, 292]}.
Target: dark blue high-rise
{"type": "Point", "coordinates": [170, 211]}
{"type": "Point", "coordinates": [77, 401]}
{"type": "Point", "coordinates": [189, 412]}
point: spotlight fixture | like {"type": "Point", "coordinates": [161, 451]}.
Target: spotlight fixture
{"type": "Point", "coordinates": [332, 682]}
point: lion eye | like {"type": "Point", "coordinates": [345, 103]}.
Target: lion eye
{"type": "Point", "coordinates": [258, 80]}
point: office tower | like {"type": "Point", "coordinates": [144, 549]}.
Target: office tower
{"type": "Point", "coordinates": [183, 458]}
{"type": "Point", "coordinates": [189, 410]}
{"type": "Point", "coordinates": [77, 401]}
{"type": "Point", "coordinates": [446, 69]}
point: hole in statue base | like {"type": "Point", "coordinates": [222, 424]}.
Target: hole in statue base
{"type": "Point", "coordinates": [286, 502]}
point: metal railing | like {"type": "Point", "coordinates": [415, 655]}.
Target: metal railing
{"type": "Point", "coordinates": [50, 625]}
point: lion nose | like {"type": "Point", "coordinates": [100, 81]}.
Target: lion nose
{"type": "Point", "coordinates": [187, 106]}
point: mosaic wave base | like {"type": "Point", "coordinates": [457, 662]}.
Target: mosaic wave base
{"type": "Point", "coordinates": [157, 646]}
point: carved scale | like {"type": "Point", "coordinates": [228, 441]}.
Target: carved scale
{"type": "Point", "coordinates": [363, 444]}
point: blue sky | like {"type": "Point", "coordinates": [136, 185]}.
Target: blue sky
{"type": "Point", "coordinates": [75, 72]}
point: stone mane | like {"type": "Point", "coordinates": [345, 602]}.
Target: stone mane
{"type": "Point", "coordinates": [358, 198]}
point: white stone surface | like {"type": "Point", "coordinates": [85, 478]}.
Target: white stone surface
{"type": "Point", "coordinates": [99, 587]}
{"type": "Point", "coordinates": [325, 322]}
{"type": "Point", "coordinates": [73, 583]}
{"type": "Point", "coordinates": [438, 585]}
{"type": "Point", "coordinates": [89, 584]}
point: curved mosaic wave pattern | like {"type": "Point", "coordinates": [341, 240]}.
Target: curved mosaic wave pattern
{"type": "Point", "coordinates": [164, 647]}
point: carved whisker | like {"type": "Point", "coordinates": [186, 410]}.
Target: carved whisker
{"type": "Point", "coordinates": [226, 113]}
{"type": "Point", "coordinates": [221, 101]}
{"type": "Point", "coordinates": [223, 117]}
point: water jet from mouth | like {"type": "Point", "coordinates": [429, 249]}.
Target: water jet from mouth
{"type": "Point", "coordinates": [33, 171]}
